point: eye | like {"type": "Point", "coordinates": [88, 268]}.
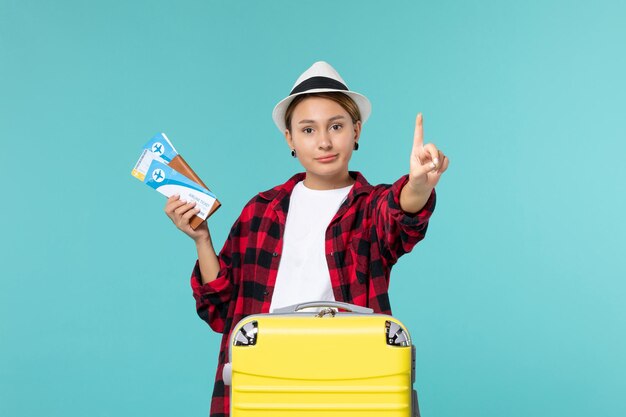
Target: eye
{"type": "Point", "coordinates": [308, 130]}
{"type": "Point", "coordinates": [336, 126]}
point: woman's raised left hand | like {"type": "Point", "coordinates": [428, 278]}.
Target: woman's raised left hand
{"type": "Point", "coordinates": [427, 162]}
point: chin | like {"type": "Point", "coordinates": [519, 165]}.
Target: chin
{"type": "Point", "coordinates": [328, 173]}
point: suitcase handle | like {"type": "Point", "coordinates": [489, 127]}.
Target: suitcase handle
{"type": "Point", "coordinates": [345, 306]}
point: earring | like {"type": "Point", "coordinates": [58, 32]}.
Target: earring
{"type": "Point", "coordinates": [293, 153]}
{"type": "Point", "coordinates": [356, 146]}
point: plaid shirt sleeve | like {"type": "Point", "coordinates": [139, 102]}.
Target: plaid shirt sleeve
{"type": "Point", "coordinates": [213, 298]}
{"type": "Point", "coordinates": [398, 232]}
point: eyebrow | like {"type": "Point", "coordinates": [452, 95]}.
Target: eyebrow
{"type": "Point", "coordinates": [330, 120]}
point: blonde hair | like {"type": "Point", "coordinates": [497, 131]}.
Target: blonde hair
{"type": "Point", "coordinates": [342, 99]}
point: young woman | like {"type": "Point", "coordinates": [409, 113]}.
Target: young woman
{"type": "Point", "coordinates": [325, 234]}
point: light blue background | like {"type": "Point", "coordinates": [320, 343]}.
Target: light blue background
{"type": "Point", "coordinates": [516, 297]}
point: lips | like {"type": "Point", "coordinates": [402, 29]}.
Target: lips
{"type": "Point", "coordinates": [326, 158]}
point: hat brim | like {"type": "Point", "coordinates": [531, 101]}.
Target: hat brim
{"type": "Point", "coordinates": [278, 114]}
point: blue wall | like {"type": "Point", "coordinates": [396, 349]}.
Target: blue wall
{"type": "Point", "coordinates": [516, 297]}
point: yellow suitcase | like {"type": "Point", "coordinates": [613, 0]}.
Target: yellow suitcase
{"type": "Point", "coordinates": [328, 364]}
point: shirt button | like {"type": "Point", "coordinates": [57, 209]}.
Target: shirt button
{"type": "Point", "coordinates": [274, 254]}
{"type": "Point", "coordinates": [266, 292]}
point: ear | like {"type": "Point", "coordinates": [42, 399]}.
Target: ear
{"type": "Point", "coordinates": [357, 130]}
{"type": "Point", "coordinates": [289, 139]}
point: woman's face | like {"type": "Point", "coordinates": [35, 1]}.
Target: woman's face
{"type": "Point", "coordinates": [323, 136]}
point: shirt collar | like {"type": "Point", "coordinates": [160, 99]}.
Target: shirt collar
{"type": "Point", "coordinates": [361, 186]}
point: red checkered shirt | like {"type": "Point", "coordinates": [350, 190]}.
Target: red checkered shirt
{"type": "Point", "coordinates": [363, 241]}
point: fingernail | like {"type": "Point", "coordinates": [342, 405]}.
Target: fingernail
{"type": "Point", "coordinates": [433, 165]}
{"type": "Point", "coordinates": [436, 161]}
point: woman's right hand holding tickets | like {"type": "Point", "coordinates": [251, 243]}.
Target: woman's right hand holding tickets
{"type": "Point", "coordinates": [181, 213]}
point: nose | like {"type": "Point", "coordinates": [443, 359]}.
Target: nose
{"type": "Point", "coordinates": [324, 140]}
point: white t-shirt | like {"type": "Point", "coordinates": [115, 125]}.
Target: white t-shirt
{"type": "Point", "coordinates": [303, 273]}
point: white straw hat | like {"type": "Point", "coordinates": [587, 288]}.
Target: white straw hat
{"type": "Point", "coordinates": [319, 78]}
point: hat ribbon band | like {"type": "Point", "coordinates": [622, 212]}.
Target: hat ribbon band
{"type": "Point", "coordinates": [318, 82]}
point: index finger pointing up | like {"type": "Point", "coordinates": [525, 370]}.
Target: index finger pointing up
{"type": "Point", "coordinates": [418, 137]}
